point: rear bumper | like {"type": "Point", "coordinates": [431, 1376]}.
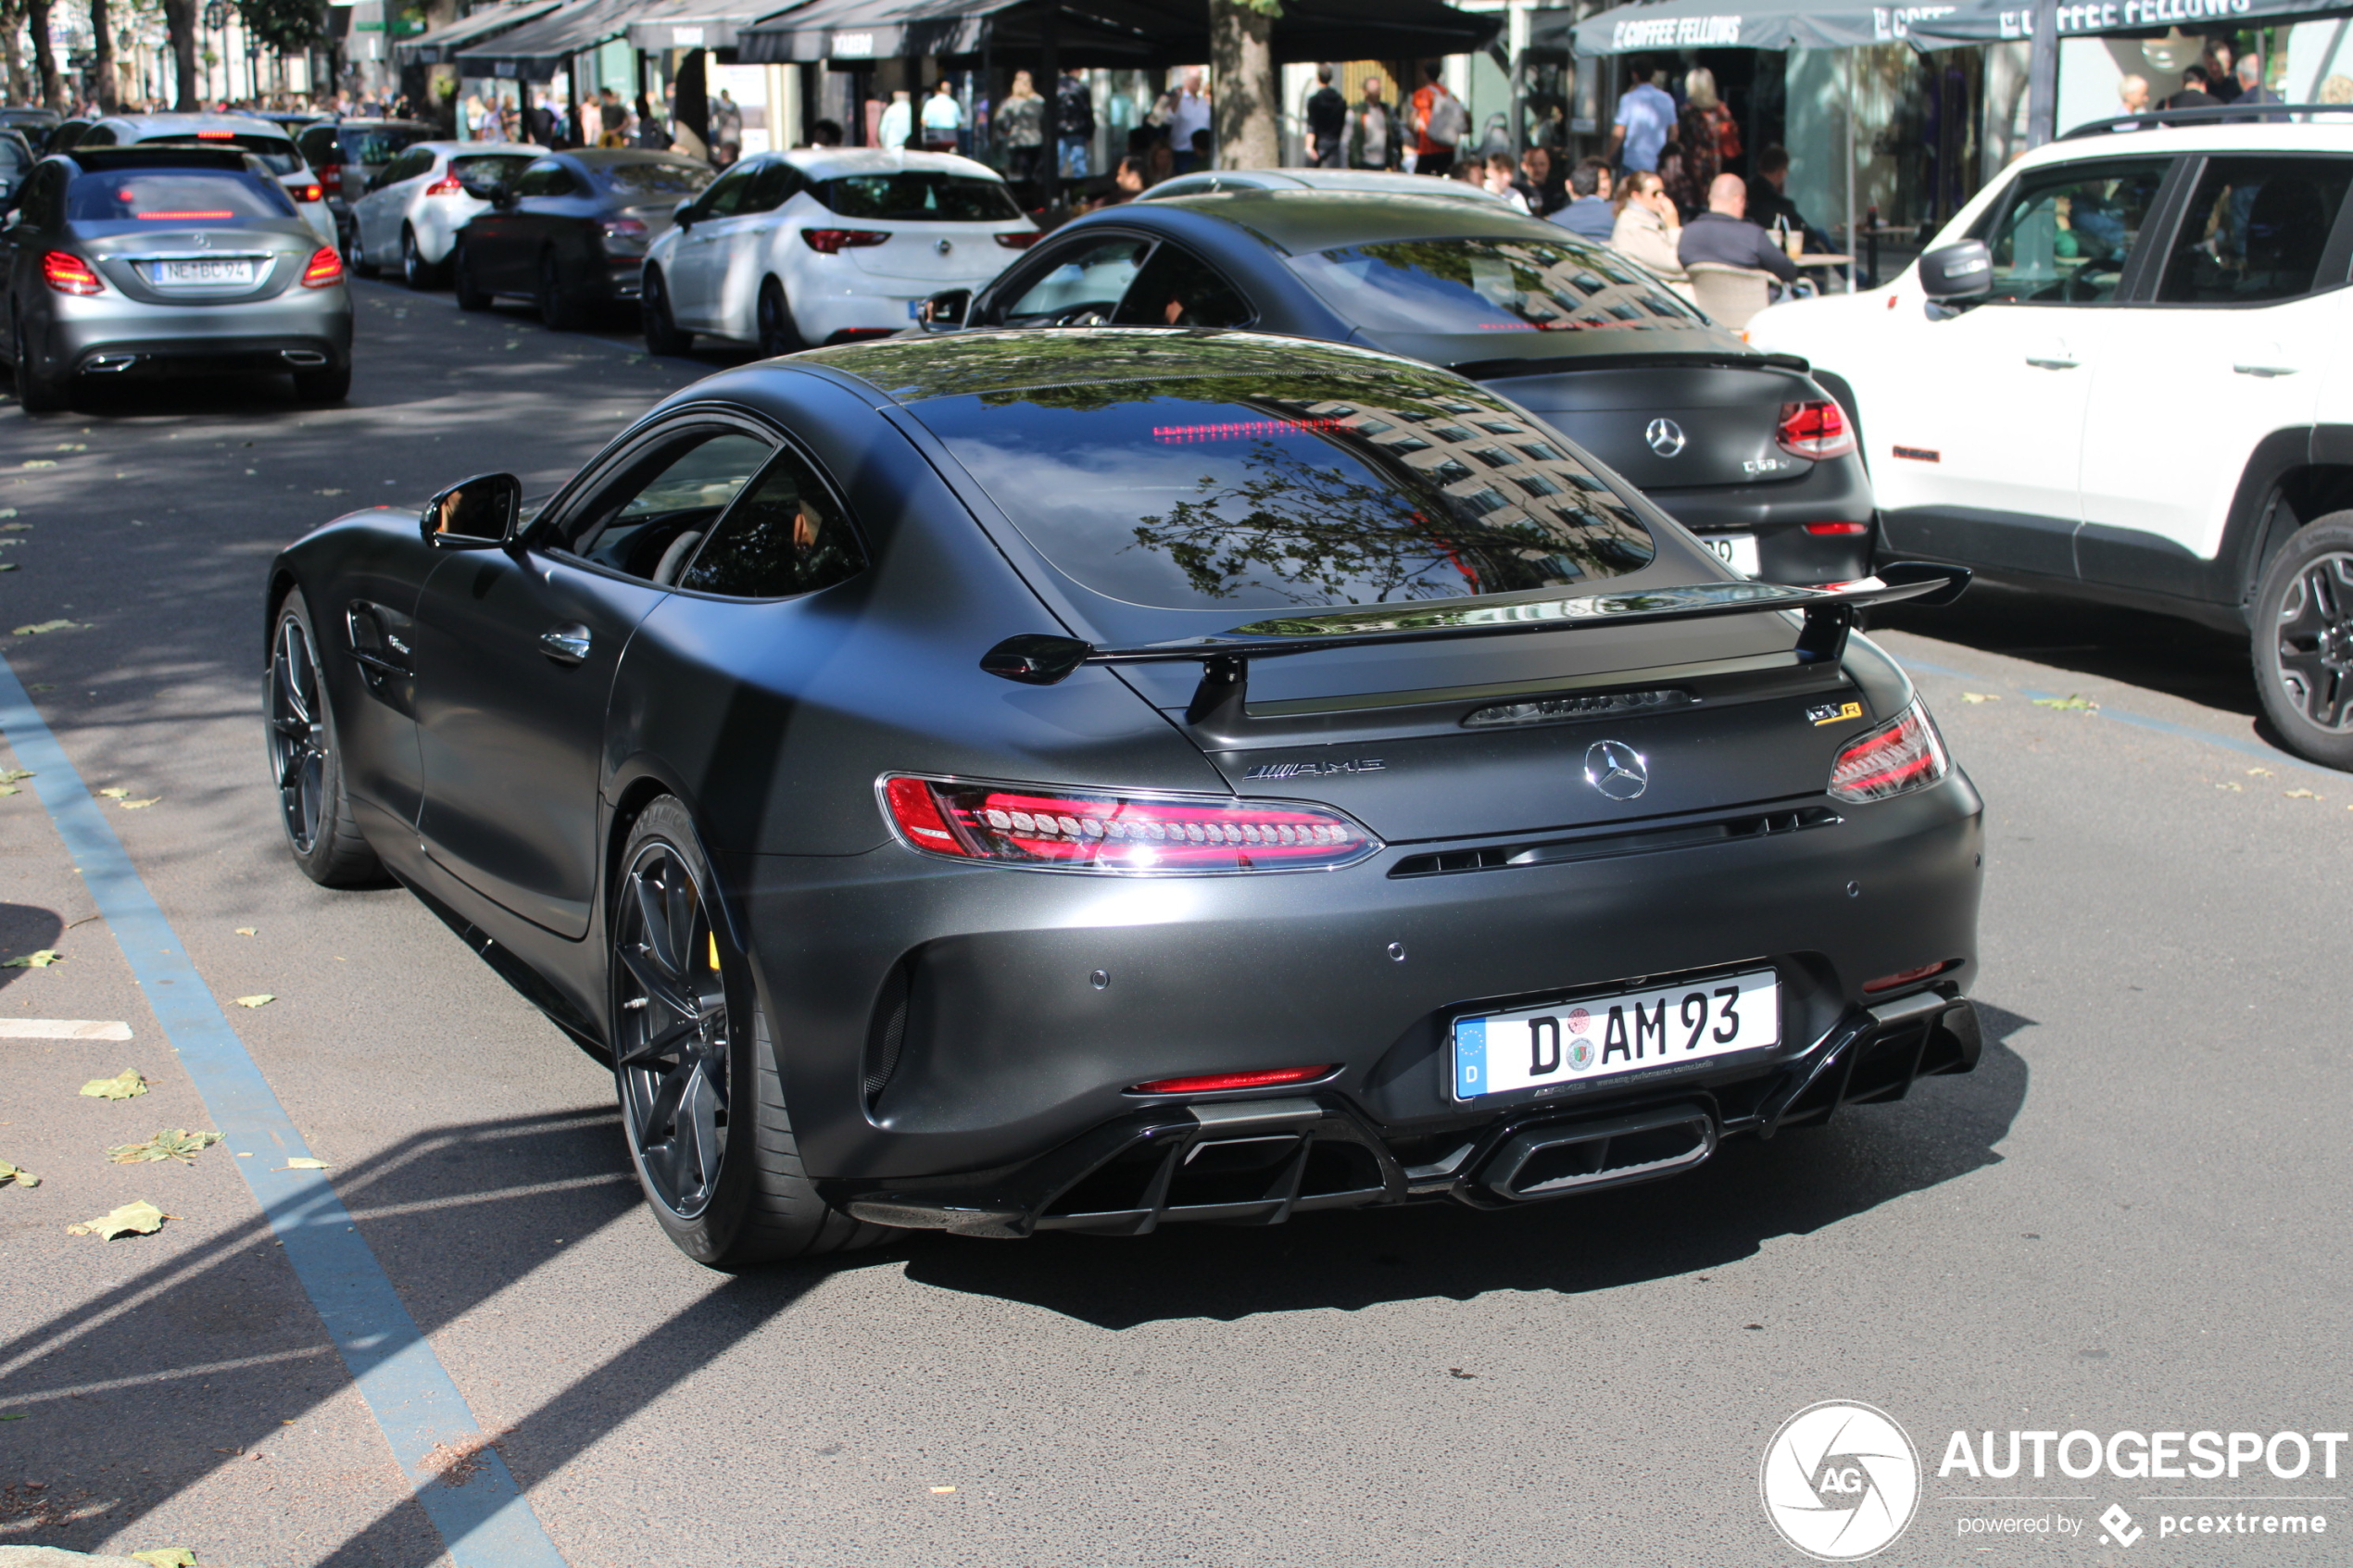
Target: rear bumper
{"type": "Point", "coordinates": [1777, 513]}
{"type": "Point", "coordinates": [112, 335]}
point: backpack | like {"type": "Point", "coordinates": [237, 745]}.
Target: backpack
{"type": "Point", "coordinates": [1449, 121]}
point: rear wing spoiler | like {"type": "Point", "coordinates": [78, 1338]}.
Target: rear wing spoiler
{"type": "Point", "coordinates": [1042, 659]}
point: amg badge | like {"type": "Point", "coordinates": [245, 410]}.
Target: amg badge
{"type": "Point", "coordinates": [1314, 770]}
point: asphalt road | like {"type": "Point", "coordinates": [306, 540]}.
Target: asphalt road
{"type": "Point", "coordinates": [2130, 1218]}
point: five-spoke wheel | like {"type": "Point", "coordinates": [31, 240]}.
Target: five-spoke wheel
{"type": "Point", "coordinates": [2302, 630]}
{"type": "Point", "coordinates": [300, 734]}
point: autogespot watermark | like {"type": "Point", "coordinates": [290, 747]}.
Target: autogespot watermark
{"type": "Point", "coordinates": [1842, 1481]}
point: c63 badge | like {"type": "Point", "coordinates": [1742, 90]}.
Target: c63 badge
{"type": "Point", "coordinates": [1832, 713]}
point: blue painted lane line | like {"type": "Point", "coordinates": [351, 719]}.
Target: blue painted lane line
{"type": "Point", "coordinates": [487, 1523]}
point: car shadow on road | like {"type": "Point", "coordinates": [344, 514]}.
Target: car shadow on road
{"type": "Point", "coordinates": [1800, 1183]}
{"type": "Point", "coordinates": [2136, 648]}
{"type": "Point", "coordinates": [26, 929]}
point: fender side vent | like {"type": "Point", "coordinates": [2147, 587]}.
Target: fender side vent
{"type": "Point", "coordinates": [886, 1035]}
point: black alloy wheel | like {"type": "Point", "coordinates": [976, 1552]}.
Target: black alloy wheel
{"type": "Point", "coordinates": [37, 393]}
{"type": "Point", "coordinates": [558, 310]}
{"type": "Point", "coordinates": [778, 332]}
{"type": "Point", "coordinates": [306, 762]}
{"type": "Point", "coordinates": [695, 1071]}
{"type": "Point", "coordinates": [415, 270]}
{"type": "Point", "coordinates": [2302, 629]}
{"type": "Point", "coordinates": [461, 280]}
{"type": "Point", "coordinates": [662, 333]}
{"type": "Point", "coordinates": [355, 253]}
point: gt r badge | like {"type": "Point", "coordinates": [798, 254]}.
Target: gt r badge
{"type": "Point", "coordinates": [1832, 713]}
{"type": "Point", "coordinates": [1314, 770]}
{"type": "Point", "coordinates": [1664, 436]}
{"type": "Point", "coordinates": [1617, 769]}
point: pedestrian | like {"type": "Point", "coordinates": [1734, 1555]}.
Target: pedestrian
{"type": "Point", "coordinates": [1160, 161]}
{"type": "Point", "coordinates": [1540, 184]}
{"type": "Point", "coordinates": [1189, 112]}
{"type": "Point", "coordinates": [1126, 183]}
{"type": "Point", "coordinates": [898, 120]}
{"type": "Point", "coordinates": [2194, 93]}
{"type": "Point", "coordinates": [2134, 94]}
{"type": "Point", "coordinates": [1645, 116]}
{"type": "Point", "coordinates": [2221, 79]}
{"type": "Point", "coordinates": [1204, 153]}
{"type": "Point", "coordinates": [1499, 181]}
{"type": "Point", "coordinates": [1699, 132]}
{"type": "Point", "coordinates": [1590, 211]}
{"type": "Point", "coordinates": [727, 128]}
{"type": "Point", "coordinates": [943, 119]}
{"type": "Point", "coordinates": [1440, 124]}
{"type": "Point", "coordinates": [1371, 139]}
{"type": "Point", "coordinates": [1021, 128]}
{"type": "Point", "coordinates": [1723, 235]}
{"type": "Point", "coordinates": [1768, 204]}
{"type": "Point", "coordinates": [1075, 124]}
{"type": "Point", "coordinates": [1327, 117]}
{"type": "Point", "coordinates": [1649, 231]}
{"type": "Point", "coordinates": [2252, 88]}
{"type": "Point", "coordinates": [651, 132]}
{"type": "Point", "coordinates": [825, 133]}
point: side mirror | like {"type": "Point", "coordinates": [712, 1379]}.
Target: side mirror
{"type": "Point", "coordinates": [502, 196]}
{"type": "Point", "coordinates": [685, 214]}
{"type": "Point", "coordinates": [945, 310]}
{"type": "Point", "coordinates": [473, 514]}
{"type": "Point", "coordinates": [1957, 272]}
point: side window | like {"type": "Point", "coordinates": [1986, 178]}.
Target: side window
{"type": "Point", "coordinates": [407, 165]}
{"type": "Point", "coordinates": [44, 197]}
{"type": "Point", "coordinates": [545, 178]}
{"type": "Point", "coordinates": [786, 536]}
{"type": "Point", "coordinates": [774, 185]}
{"type": "Point", "coordinates": [2254, 230]}
{"type": "Point", "coordinates": [1091, 278]}
{"type": "Point", "coordinates": [96, 136]}
{"type": "Point", "coordinates": [2061, 236]}
{"type": "Point", "coordinates": [1178, 288]}
{"type": "Point", "coordinates": [646, 518]}
{"type": "Point", "coordinates": [318, 148]}
{"type": "Point", "coordinates": [726, 198]}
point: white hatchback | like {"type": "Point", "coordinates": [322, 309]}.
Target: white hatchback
{"type": "Point", "coordinates": [408, 218]}
{"type": "Point", "coordinates": [824, 244]}
{"type": "Point", "coordinates": [2117, 374]}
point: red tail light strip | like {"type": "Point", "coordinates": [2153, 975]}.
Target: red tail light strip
{"type": "Point", "coordinates": [1901, 756]}
{"type": "Point", "coordinates": [68, 273]}
{"type": "Point", "coordinates": [832, 242]}
{"type": "Point", "coordinates": [1212, 1082]}
{"type": "Point", "coordinates": [1024, 825]}
{"type": "Point", "coordinates": [325, 269]}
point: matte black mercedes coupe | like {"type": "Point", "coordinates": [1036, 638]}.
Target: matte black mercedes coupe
{"type": "Point", "coordinates": [1075, 780]}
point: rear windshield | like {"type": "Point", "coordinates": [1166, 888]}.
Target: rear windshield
{"type": "Point", "coordinates": [1251, 493]}
{"type": "Point", "coordinates": [918, 193]}
{"type": "Point", "coordinates": [680, 178]}
{"type": "Point", "coordinates": [13, 160]}
{"type": "Point", "coordinates": [490, 168]}
{"type": "Point", "coordinates": [379, 144]}
{"type": "Point", "coordinates": [277, 154]}
{"type": "Point", "coordinates": [179, 195]}
{"type": "Point", "coordinates": [1490, 285]}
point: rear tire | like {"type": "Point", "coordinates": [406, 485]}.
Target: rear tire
{"type": "Point", "coordinates": [2300, 629]}
{"type": "Point", "coordinates": [461, 281]}
{"type": "Point", "coordinates": [558, 310]}
{"type": "Point", "coordinates": [331, 384]}
{"type": "Point", "coordinates": [662, 333]}
{"type": "Point", "coordinates": [354, 254]}
{"type": "Point", "coordinates": [778, 332]}
{"type": "Point", "coordinates": [300, 728]}
{"type": "Point", "coordinates": [702, 1102]}
{"type": "Point", "coordinates": [37, 392]}
{"type": "Point", "coordinates": [415, 270]}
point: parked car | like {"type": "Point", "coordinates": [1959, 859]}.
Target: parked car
{"type": "Point", "coordinates": [263, 139]}
{"type": "Point", "coordinates": [62, 136]}
{"type": "Point", "coordinates": [571, 232]}
{"type": "Point", "coordinates": [1157, 776]}
{"type": "Point", "coordinates": [162, 261]}
{"type": "Point", "coordinates": [827, 244]}
{"type": "Point", "coordinates": [413, 207]}
{"type": "Point", "coordinates": [34, 123]}
{"type": "Point", "coordinates": [349, 157]}
{"type": "Point", "coordinates": [17, 159]}
{"type": "Point", "coordinates": [1742, 446]}
{"type": "Point", "coordinates": [2113, 376]}
{"type": "Point", "coordinates": [1362, 181]}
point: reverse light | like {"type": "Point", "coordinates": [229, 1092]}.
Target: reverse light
{"type": "Point", "coordinates": [1210, 1083]}
{"type": "Point", "coordinates": [1838, 528]}
{"type": "Point", "coordinates": [68, 273]}
{"type": "Point", "coordinates": [331, 178]}
{"type": "Point", "coordinates": [448, 185]}
{"type": "Point", "coordinates": [1906, 977]}
{"type": "Point", "coordinates": [310, 193]}
{"type": "Point", "coordinates": [624, 233]}
{"type": "Point", "coordinates": [1902, 755]}
{"type": "Point", "coordinates": [324, 268]}
{"type": "Point", "coordinates": [833, 242]}
{"type": "Point", "coordinates": [1020, 239]}
{"type": "Point", "coordinates": [1092, 831]}
{"type": "Point", "coordinates": [1815, 429]}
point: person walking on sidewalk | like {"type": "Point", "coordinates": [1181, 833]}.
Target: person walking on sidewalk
{"type": "Point", "coordinates": [1372, 130]}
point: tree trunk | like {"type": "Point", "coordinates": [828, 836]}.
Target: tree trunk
{"type": "Point", "coordinates": [45, 56]}
{"type": "Point", "coordinates": [1241, 58]}
{"type": "Point", "coordinates": [11, 24]}
{"type": "Point", "coordinates": [180, 21]}
{"type": "Point", "coordinates": [102, 42]}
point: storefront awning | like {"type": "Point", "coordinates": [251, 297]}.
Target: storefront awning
{"type": "Point", "coordinates": [438, 46]}
{"type": "Point", "coordinates": [537, 50]}
{"type": "Point", "coordinates": [692, 24]}
{"type": "Point", "coordinates": [1104, 32]}
{"type": "Point", "coordinates": [1840, 24]}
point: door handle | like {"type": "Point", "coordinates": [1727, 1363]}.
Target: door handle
{"type": "Point", "coordinates": [2055, 357]}
{"type": "Point", "coordinates": [565, 644]}
{"type": "Point", "coordinates": [2264, 370]}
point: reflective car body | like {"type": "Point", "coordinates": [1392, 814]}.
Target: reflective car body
{"type": "Point", "coordinates": [1018, 929]}
{"type": "Point", "coordinates": [264, 140]}
{"type": "Point", "coordinates": [349, 154]}
{"type": "Point", "coordinates": [1707, 426]}
{"type": "Point", "coordinates": [406, 214]}
{"type": "Point", "coordinates": [165, 261]}
{"type": "Point", "coordinates": [572, 228]}
{"type": "Point", "coordinates": [1360, 182]}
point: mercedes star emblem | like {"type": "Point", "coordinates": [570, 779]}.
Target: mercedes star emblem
{"type": "Point", "coordinates": [1666, 437]}
{"type": "Point", "coordinates": [1617, 769]}
{"type": "Point", "coordinates": [942, 247]}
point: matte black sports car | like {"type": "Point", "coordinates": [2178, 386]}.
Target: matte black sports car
{"type": "Point", "coordinates": [1745, 448]}
{"type": "Point", "coordinates": [571, 232]}
{"type": "Point", "coordinates": [1078, 781]}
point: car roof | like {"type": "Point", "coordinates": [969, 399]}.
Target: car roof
{"type": "Point", "coordinates": [141, 127]}
{"type": "Point", "coordinates": [1357, 179]}
{"type": "Point", "coordinates": [607, 158]}
{"type": "Point", "coordinates": [1304, 220]}
{"type": "Point", "coordinates": [89, 161]}
{"type": "Point", "coordinates": [2331, 136]}
{"type": "Point", "coordinates": [358, 124]}
{"type": "Point", "coordinates": [832, 163]}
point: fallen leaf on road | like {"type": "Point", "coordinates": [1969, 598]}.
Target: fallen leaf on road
{"type": "Point", "coordinates": [40, 627]}
{"type": "Point", "coordinates": [7, 566]}
{"type": "Point", "coordinates": [165, 1557]}
{"type": "Point", "coordinates": [11, 789]}
{"type": "Point", "coordinates": [125, 1084]}
{"type": "Point", "coordinates": [18, 1174]}
{"type": "Point", "coordinates": [2262, 773]}
{"type": "Point", "coordinates": [303, 1162]}
{"type": "Point", "coordinates": [247, 931]}
{"type": "Point", "coordinates": [11, 511]}
{"type": "Point", "coordinates": [141, 1217]}
{"type": "Point", "coordinates": [2301, 795]}
{"type": "Point", "coordinates": [2235, 789]}
{"type": "Point", "coordinates": [173, 1143]}
{"type": "Point", "coordinates": [259, 1000]}
{"type": "Point", "coordinates": [141, 805]}
{"type": "Point", "coordinates": [39, 463]}
{"type": "Point", "coordinates": [1981, 696]}
{"type": "Point", "coordinates": [41, 959]}
{"type": "Point", "coordinates": [113, 794]}
{"type": "Point", "coordinates": [70, 446]}
{"type": "Point", "coordinates": [16, 1415]}
{"type": "Point", "coordinates": [10, 775]}
{"type": "Point", "coordinates": [941, 1491]}
{"type": "Point", "coordinates": [332, 490]}
{"type": "Point", "coordinates": [2070, 703]}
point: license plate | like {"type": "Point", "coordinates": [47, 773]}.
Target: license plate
{"type": "Point", "coordinates": [1603, 1036]}
{"type": "Point", "coordinates": [915, 310]}
{"type": "Point", "coordinates": [1735, 550]}
{"type": "Point", "coordinates": [201, 274]}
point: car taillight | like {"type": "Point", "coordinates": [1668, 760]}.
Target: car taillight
{"type": "Point", "coordinates": [1838, 528]}
{"type": "Point", "coordinates": [1816, 429]}
{"type": "Point", "coordinates": [448, 185]}
{"type": "Point", "coordinates": [1906, 977]}
{"type": "Point", "coordinates": [331, 177]}
{"type": "Point", "coordinates": [1210, 1083]}
{"type": "Point", "coordinates": [1020, 239]}
{"type": "Point", "coordinates": [68, 273]}
{"type": "Point", "coordinates": [325, 268]}
{"type": "Point", "coordinates": [625, 233]}
{"type": "Point", "coordinates": [310, 193]}
{"type": "Point", "coordinates": [1902, 755]}
{"type": "Point", "coordinates": [832, 242]}
{"type": "Point", "coordinates": [1093, 831]}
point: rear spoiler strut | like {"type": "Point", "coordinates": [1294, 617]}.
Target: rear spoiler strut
{"type": "Point", "coordinates": [1041, 659]}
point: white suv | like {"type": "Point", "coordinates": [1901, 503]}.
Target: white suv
{"type": "Point", "coordinates": [2118, 374]}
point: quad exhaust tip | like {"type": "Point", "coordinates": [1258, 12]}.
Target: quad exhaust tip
{"type": "Point", "coordinates": [1553, 1161]}
{"type": "Point", "coordinates": [305, 357]}
{"type": "Point", "coordinates": [109, 363]}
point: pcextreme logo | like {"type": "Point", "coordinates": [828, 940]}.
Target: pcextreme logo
{"type": "Point", "coordinates": [1841, 1480]}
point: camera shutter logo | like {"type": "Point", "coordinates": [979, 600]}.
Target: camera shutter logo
{"type": "Point", "coordinates": [1841, 1481]}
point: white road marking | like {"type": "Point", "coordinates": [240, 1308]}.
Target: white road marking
{"type": "Point", "coordinates": [62, 1029]}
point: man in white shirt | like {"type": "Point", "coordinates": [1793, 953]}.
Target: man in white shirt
{"type": "Point", "coordinates": [1189, 114]}
{"type": "Point", "coordinates": [897, 121]}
